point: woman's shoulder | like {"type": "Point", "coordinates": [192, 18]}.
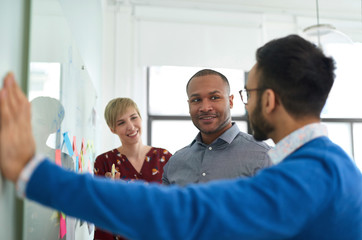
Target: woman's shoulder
{"type": "Point", "coordinates": [109, 154]}
{"type": "Point", "coordinates": [159, 151]}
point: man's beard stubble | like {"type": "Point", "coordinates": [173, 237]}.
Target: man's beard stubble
{"type": "Point", "coordinates": [261, 128]}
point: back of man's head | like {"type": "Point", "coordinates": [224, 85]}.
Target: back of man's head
{"type": "Point", "coordinates": [298, 71]}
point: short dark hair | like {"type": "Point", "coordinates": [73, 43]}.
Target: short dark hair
{"type": "Point", "coordinates": [299, 73]}
{"type": "Point", "coordinates": [206, 72]}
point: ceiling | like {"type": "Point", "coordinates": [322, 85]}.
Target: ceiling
{"type": "Point", "coordinates": [336, 9]}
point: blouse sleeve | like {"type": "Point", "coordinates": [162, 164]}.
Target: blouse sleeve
{"type": "Point", "coordinates": [167, 155]}
{"type": "Point", "coordinates": [100, 166]}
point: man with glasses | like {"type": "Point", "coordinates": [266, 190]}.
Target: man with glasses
{"type": "Point", "coordinates": [313, 192]}
{"type": "Point", "coordinates": [220, 150]}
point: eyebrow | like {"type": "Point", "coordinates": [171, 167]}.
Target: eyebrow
{"type": "Point", "coordinates": [120, 120]}
{"type": "Point", "coordinates": [210, 93]}
{"type": "Point", "coordinates": [132, 115]}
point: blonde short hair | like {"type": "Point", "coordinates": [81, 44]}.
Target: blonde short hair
{"type": "Point", "coordinates": [117, 107]}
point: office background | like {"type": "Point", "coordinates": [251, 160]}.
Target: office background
{"type": "Point", "coordinates": [85, 53]}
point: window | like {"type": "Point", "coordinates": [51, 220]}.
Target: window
{"type": "Point", "coordinates": [341, 114]}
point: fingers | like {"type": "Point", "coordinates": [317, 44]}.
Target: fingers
{"type": "Point", "coordinates": [117, 175]}
{"type": "Point", "coordinates": [17, 145]}
{"type": "Point", "coordinates": [5, 115]}
{"type": "Point", "coordinates": [10, 88]}
{"type": "Point", "coordinates": [13, 99]}
{"type": "Point", "coordinates": [17, 99]}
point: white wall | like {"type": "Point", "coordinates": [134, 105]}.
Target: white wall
{"type": "Point", "coordinates": [180, 33]}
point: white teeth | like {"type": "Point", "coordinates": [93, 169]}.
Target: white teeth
{"type": "Point", "coordinates": [133, 134]}
{"type": "Point", "coordinates": [207, 118]}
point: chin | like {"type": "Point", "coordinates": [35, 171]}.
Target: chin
{"type": "Point", "coordinates": [259, 135]}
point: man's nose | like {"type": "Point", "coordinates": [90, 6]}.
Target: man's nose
{"type": "Point", "coordinates": [206, 106]}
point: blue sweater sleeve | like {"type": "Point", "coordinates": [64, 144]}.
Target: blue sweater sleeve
{"type": "Point", "coordinates": [275, 204]}
{"type": "Point", "coordinates": [219, 210]}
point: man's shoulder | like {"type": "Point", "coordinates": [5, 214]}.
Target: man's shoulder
{"type": "Point", "coordinates": [182, 151]}
{"type": "Point", "coordinates": [249, 140]}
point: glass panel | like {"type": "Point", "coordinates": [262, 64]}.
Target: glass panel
{"type": "Point", "coordinates": [167, 89]}
{"type": "Point", "coordinates": [44, 80]}
{"type": "Point", "coordinates": [340, 133]}
{"type": "Point", "coordinates": [65, 108]}
{"type": "Point", "coordinates": [357, 143]}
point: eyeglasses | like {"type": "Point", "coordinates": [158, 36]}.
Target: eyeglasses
{"type": "Point", "coordinates": [244, 94]}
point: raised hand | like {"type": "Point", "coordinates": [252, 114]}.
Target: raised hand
{"type": "Point", "coordinates": [17, 145]}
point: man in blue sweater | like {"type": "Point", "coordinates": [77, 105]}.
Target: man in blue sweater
{"type": "Point", "coordinates": [313, 192]}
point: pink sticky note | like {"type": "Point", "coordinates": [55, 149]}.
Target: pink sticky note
{"type": "Point", "coordinates": [83, 147]}
{"type": "Point", "coordinates": [75, 146]}
{"type": "Point", "coordinates": [62, 226]}
{"type": "Point", "coordinates": [89, 166]}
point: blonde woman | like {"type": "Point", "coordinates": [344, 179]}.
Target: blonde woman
{"type": "Point", "coordinates": [132, 160]}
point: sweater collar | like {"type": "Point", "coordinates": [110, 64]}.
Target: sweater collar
{"type": "Point", "coordinates": [295, 140]}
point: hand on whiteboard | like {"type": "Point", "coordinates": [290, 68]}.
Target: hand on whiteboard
{"type": "Point", "coordinates": [17, 145]}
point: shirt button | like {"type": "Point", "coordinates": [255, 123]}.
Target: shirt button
{"type": "Point", "coordinates": [210, 148]}
{"type": "Point", "coordinates": [203, 174]}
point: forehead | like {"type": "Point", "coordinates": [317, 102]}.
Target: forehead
{"type": "Point", "coordinates": [252, 81]}
{"type": "Point", "coordinates": [206, 84]}
{"type": "Point", "coordinates": [127, 112]}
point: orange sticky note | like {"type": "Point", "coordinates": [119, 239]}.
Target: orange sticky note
{"type": "Point", "coordinates": [81, 162]}
{"type": "Point", "coordinates": [58, 158]}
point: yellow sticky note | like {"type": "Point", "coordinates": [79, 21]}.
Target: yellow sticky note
{"type": "Point", "coordinates": [113, 170]}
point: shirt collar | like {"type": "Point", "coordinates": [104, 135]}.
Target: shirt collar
{"type": "Point", "coordinates": [228, 136]}
{"type": "Point", "coordinates": [295, 140]}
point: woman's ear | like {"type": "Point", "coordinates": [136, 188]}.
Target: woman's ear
{"type": "Point", "coordinates": [112, 130]}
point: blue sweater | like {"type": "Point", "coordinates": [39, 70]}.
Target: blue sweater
{"type": "Point", "coordinates": [315, 193]}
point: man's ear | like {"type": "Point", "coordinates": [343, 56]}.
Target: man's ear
{"type": "Point", "coordinates": [231, 101]}
{"type": "Point", "coordinates": [270, 100]}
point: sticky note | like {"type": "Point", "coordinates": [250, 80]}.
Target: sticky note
{"type": "Point", "coordinates": [113, 170]}
{"type": "Point", "coordinates": [62, 226]}
{"type": "Point", "coordinates": [58, 159]}
{"type": "Point", "coordinates": [68, 144]}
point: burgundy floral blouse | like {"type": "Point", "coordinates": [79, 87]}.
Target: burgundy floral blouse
{"type": "Point", "coordinates": [151, 171]}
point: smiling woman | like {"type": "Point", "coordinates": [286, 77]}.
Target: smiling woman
{"type": "Point", "coordinates": [132, 160]}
